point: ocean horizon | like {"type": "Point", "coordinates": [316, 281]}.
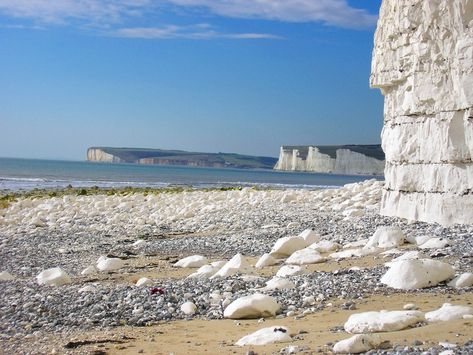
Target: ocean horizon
{"type": "Point", "coordinates": [27, 174]}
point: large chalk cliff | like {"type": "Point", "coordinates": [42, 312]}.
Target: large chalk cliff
{"type": "Point", "coordinates": [363, 160]}
{"type": "Point", "coordinates": [423, 64]}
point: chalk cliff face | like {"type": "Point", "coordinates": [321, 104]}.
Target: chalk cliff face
{"type": "Point", "coordinates": [336, 160]}
{"type": "Point", "coordinates": [97, 154]}
{"type": "Point", "coordinates": [423, 64]}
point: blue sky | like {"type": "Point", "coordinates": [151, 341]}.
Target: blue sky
{"type": "Point", "coordinates": [241, 76]}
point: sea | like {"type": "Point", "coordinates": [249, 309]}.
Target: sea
{"type": "Point", "coordinates": [29, 174]}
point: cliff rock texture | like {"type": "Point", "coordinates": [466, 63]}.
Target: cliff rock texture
{"type": "Point", "coordinates": [423, 64]}
{"type": "Point", "coordinates": [349, 159]}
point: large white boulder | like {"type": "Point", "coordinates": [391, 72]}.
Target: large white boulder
{"type": "Point", "coordinates": [384, 321]}
{"type": "Point", "coordinates": [359, 343]}
{"type": "Point", "coordinates": [6, 276]}
{"type": "Point", "coordinates": [144, 281]}
{"type": "Point", "coordinates": [189, 308]}
{"type": "Point", "coordinates": [305, 256]}
{"type": "Point", "coordinates": [461, 281]}
{"type": "Point", "coordinates": [193, 261]}
{"type": "Point", "coordinates": [53, 277]}
{"type": "Point", "coordinates": [324, 246]}
{"type": "Point", "coordinates": [266, 260]}
{"type": "Point", "coordinates": [408, 255]}
{"type": "Point", "coordinates": [253, 306]}
{"type": "Point", "coordinates": [414, 274]}
{"type": "Point", "coordinates": [265, 336]}
{"type": "Point", "coordinates": [386, 237]}
{"type": "Point", "coordinates": [435, 243]}
{"type": "Point", "coordinates": [204, 271]}
{"type": "Point", "coordinates": [287, 245]}
{"type": "Point", "coordinates": [279, 283]}
{"type": "Point", "coordinates": [109, 264]}
{"type": "Point", "coordinates": [291, 270]}
{"type": "Point", "coordinates": [448, 312]}
{"type": "Point", "coordinates": [310, 236]}
{"type": "Point", "coordinates": [236, 265]}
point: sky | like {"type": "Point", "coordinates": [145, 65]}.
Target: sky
{"type": "Point", "coordinates": [241, 76]}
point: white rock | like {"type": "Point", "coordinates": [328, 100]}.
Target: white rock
{"type": "Point", "coordinates": [324, 246]}
{"type": "Point", "coordinates": [188, 308]}
{"type": "Point", "coordinates": [357, 244]}
{"type": "Point", "coordinates": [305, 256]}
{"type": "Point", "coordinates": [287, 245]}
{"type": "Point", "coordinates": [236, 265]}
{"type": "Point", "coordinates": [419, 240]}
{"type": "Point", "coordinates": [435, 243]}
{"type": "Point", "coordinates": [291, 225]}
{"type": "Point", "coordinates": [53, 277]}
{"type": "Point", "coordinates": [253, 306]}
{"type": "Point", "coordinates": [291, 270]}
{"type": "Point", "coordinates": [144, 281]}
{"type": "Point", "coordinates": [359, 343]}
{"type": "Point", "coordinates": [410, 307]}
{"type": "Point", "coordinates": [408, 255]}
{"type": "Point", "coordinates": [6, 276]}
{"type": "Point", "coordinates": [265, 336]}
{"type": "Point", "coordinates": [139, 242]}
{"type": "Point", "coordinates": [448, 312]}
{"type": "Point", "coordinates": [384, 321]}
{"type": "Point", "coordinates": [88, 271]}
{"type": "Point", "coordinates": [219, 263]}
{"type": "Point", "coordinates": [386, 237]}
{"type": "Point", "coordinates": [205, 271]}
{"type": "Point", "coordinates": [265, 260]}
{"type": "Point", "coordinates": [279, 283]}
{"type": "Point", "coordinates": [87, 288]}
{"type": "Point", "coordinates": [463, 280]}
{"type": "Point", "coordinates": [193, 261]}
{"type": "Point", "coordinates": [347, 253]}
{"type": "Point", "coordinates": [110, 264]}
{"type": "Point", "coordinates": [310, 236]}
{"type": "Point", "coordinates": [414, 274]}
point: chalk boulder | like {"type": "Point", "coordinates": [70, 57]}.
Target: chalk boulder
{"type": "Point", "coordinates": [279, 283]}
{"type": "Point", "coordinates": [193, 261]}
{"type": "Point", "coordinates": [414, 274]}
{"type": "Point", "coordinates": [204, 272]}
{"type": "Point", "coordinates": [324, 246]}
{"type": "Point", "coordinates": [461, 281]}
{"type": "Point", "coordinates": [386, 237]}
{"type": "Point", "coordinates": [189, 308]}
{"type": "Point", "coordinates": [90, 270]}
{"type": "Point", "coordinates": [265, 260]}
{"type": "Point", "coordinates": [250, 307]}
{"type": "Point", "coordinates": [287, 245]}
{"type": "Point", "coordinates": [448, 312]}
{"type": "Point", "coordinates": [236, 265]}
{"type": "Point", "coordinates": [384, 321]}
{"type": "Point", "coordinates": [435, 243]}
{"type": "Point", "coordinates": [359, 343]}
{"type": "Point", "coordinates": [291, 270]}
{"type": "Point", "coordinates": [53, 277]}
{"type": "Point", "coordinates": [110, 264]}
{"type": "Point", "coordinates": [144, 281]}
{"type": "Point", "coordinates": [265, 336]}
{"type": "Point", "coordinates": [305, 256]}
{"type": "Point", "coordinates": [310, 236]}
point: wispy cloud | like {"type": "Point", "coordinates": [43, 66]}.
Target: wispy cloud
{"type": "Point", "coordinates": [114, 14]}
{"type": "Point", "coordinates": [200, 31]}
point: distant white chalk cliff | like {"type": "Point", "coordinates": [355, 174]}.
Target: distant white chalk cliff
{"type": "Point", "coordinates": [347, 159]}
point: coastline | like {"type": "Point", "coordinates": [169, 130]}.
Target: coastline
{"type": "Point", "coordinates": [72, 230]}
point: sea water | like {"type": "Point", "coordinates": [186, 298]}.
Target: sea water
{"type": "Point", "coordinates": [28, 174]}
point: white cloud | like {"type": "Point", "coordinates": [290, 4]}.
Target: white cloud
{"type": "Point", "coordinates": [200, 31]}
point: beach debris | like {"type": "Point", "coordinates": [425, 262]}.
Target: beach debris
{"type": "Point", "coordinates": [87, 288]}
{"type": "Point", "coordinates": [53, 277]}
{"type": "Point", "coordinates": [383, 321]}
{"type": "Point", "coordinates": [6, 276]}
{"type": "Point", "coordinates": [414, 274]}
{"type": "Point", "coordinates": [305, 256]}
{"type": "Point", "coordinates": [310, 236]}
{"type": "Point", "coordinates": [157, 291]}
{"type": "Point", "coordinates": [359, 343]}
{"type": "Point", "coordinates": [285, 246]}
{"type": "Point", "coordinates": [144, 281]}
{"type": "Point", "coordinates": [325, 246]}
{"type": "Point", "coordinates": [236, 265]}
{"type": "Point", "coordinates": [105, 263]}
{"type": "Point", "coordinates": [435, 243]}
{"type": "Point", "coordinates": [279, 283]}
{"type": "Point", "coordinates": [291, 270]}
{"type": "Point", "coordinates": [193, 261]}
{"type": "Point", "coordinates": [265, 260]}
{"type": "Point", "coordinates": [448, 312]}
{"type": "Point", "coordinates": [386, 237]}
{"type": "Point", "coordinates": [253, 306]}
{"type": "Point", "coordinates": [265, 336]}
{"type": "Point", "coordinates": [189, 308]}
{"type": "Point", "coordinates": [90, 270]}
{"type": "Point", "coordinates": [463, 280]}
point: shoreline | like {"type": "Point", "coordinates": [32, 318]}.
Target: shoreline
{"type": "Point", "coordinates": [72, 231]}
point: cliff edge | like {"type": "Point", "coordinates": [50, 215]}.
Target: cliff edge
{"type": "Point", "coordinates": [346, 159]}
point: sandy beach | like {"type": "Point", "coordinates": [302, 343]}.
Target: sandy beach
{"type": "Point", "coordinates": [104, 312]}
